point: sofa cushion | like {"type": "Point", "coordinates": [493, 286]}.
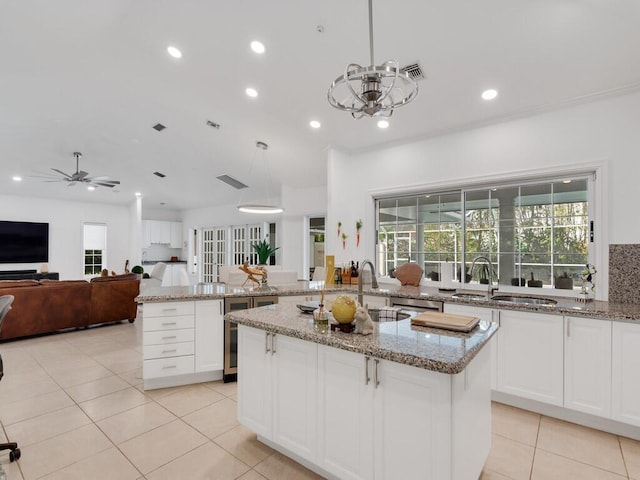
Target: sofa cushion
{"type": "Point", "coordinates": [17, 283]}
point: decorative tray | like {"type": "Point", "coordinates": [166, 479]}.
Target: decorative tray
{"type": "Point", "coordinates": [309, 307]}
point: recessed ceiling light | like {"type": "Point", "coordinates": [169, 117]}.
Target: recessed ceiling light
{"type": "Point", "coordinates": [174, 52]}
{"type": "Point", "coordinates": [91, 188]}
{"type": "Point", "coordinates": [489, 94]}
{"type": "Point", "coordinates": [566, 181]}
{"type": "Point", "coordinates": [17, 179]}
{"type": "Point", "coordinates": [257, 46]}
{"type": "Point", "coordinates": [315, 124]}
{"type": "Point", "coordinates": [383, 124]}
{"type": "Point", "coordinates": [138, 194]}
{"type": "Point", "coordinates": [252, 92]}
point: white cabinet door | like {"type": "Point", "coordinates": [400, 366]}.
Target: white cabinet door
{"type": "Point", "coordinates": [587, 365]}
{"type": "Point", "coordinates": [484, 314]}
{"type": "Point", "coordinates": [345, 413]}
{"type": "Point", "coordinates": [412, 422]}
{"type": "Point", "coordinates": [254, 380]}
{"type": "Point", "coordinates": [209, 334]}
{"type": "Point", "coordinates": [530, 356]}
{"type": "Point", "coordinates": [175, 234]}
{"type": "Point", "coordinates": [293, 386]}
{"type": "Point", "coordinates": [625, 368]}
{"type": "Point", "coordinates": [374, 301]}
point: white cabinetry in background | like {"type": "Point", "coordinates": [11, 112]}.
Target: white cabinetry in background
{"type": "Point", "coordinates": [625, 372]}
{"type": "Point", "coordinates": [587, 365]}
{"type": "Point", "coordinates": [182, 342]}
{"type": "Point", "coordinates": [530, 356]}
{"type": "Point", "coordinates": [160, 232]}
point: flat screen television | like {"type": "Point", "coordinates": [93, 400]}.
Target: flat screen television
{"type": "Point", "coordinates": [24, 242]}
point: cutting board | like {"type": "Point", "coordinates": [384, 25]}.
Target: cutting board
{"type": "Point", "coordinates": [448, 321]}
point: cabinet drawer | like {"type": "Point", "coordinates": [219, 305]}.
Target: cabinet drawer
{"type": "Point", "coordinates": [167, 323]}
{"type": "Point", "coordinates": [167, 367]}
{"type": "Point", "coordinates": [167, 337]}
{"type": "Point", "coordinates": [168, 309]}
{"type": "Point", "coordinates": [166, 351]}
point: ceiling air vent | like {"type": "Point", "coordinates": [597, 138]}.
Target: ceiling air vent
{"type": "Point", "coordinates": [158, 174]}
{"type": "Point", "coordinates": [414, 71]}
{"type": "Point", "coordinates": [232, 181]}
{"type": "Point", "coordinates": [159, 127]}
{"type": "Point", "coordinates": [213, 124]}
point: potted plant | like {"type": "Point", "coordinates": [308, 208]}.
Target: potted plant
{"type": "Point", "coordinates": [263, 250]}
{"type": "Point", "coordinates": [138, 270]}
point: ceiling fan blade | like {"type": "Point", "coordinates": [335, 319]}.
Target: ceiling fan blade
{"type": "Point", "coordinates": [101, 177]}
{"type": "Point", "coordinates": [61, 173]}
{"type": "Point", "coordinates": [81, 174]}
{"type": "Point", "coordinates": [71, 184]}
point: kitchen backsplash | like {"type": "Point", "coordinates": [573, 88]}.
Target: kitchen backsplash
{"type": "Point", "coordinates": [624, 273]}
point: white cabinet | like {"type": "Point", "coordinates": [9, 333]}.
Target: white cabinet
{"type": "Point", "coordinates": [587, 365]}
{"type": "Point", "coordinates": [168, 339]}
{"type": "Point", "coordinates": [384, 420]}
{"type": "Point", "coordinates": [625, 368]}
{"type": "Point", "coordinates": [209, 325]}
{"type": "Point", "coordinates": [530, 356]}
{"type": "Point", "coordinates": [487, 315]}
{"type": "Point", "coordinates": [175, 234]}
{"type": "Point", "coordinates": [374, 301]}
{"type": "Point", "coordinates": [277, 389]}
{"type": "Point", "coordinates": [159, 232]}
{"type": "Point", "coordinates": [175, 274]}
{"type": "Point", "coordinates": [345, 414]}
{"type": "Point", "coordinates": [182, 342]}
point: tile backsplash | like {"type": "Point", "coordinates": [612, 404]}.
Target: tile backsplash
{"type": "Point", "coordinates": [624, 273]}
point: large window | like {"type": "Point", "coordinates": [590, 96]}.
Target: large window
{"type": "Point", "coordinates": [95, 249]}
{"type": "Point", "coordinates": [533, 233]}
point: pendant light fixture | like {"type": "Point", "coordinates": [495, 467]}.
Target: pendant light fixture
{"type": "Point", "coordinates": [268, 206]}
{"type": "Point", "coordinates": [374, 90]}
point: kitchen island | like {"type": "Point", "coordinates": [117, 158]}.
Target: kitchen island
{"type": "Point", "coordinates": [406, 402]}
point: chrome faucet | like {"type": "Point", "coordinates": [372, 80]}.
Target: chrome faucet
{"type": "Point", "coordinates": [490, 288]}
{"type": "Point", "coordinates": [374, 281]}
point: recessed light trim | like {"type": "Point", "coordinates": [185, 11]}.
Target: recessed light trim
{"type": "Point", "coordinates": [257, 47]}
{"type": "Point", "coordinates": [174, 51]}
{"type": "Point", "coordinates": [383, 124]}
{"type": "Point", "coordinates": [16, 178]}
{"type": "Point", "coordinates": [251, 92]}
{"type": "Point", "coordinates": [489, 94]}
{"type": "Point", "coordinates": [315, 124]}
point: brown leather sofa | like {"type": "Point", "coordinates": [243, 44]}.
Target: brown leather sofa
{"type": "Point", "coordinates": [49, 305]}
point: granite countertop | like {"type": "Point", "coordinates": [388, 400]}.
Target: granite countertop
{"type": "Point", "coordinates": [566, 306]}
{"type": "Point", "coordinates": [429, 348]}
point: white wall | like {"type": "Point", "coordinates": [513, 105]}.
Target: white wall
{"type": "Point", "coordinates": [66, 220]}
{"type": "Point", "coordinates": [603, 132]}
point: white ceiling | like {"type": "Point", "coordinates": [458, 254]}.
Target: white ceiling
{"type": "Point", "coordinates": [94, 76]}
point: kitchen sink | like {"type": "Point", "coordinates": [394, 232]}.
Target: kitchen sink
{"type": "Point", "coordinates": [469, 296]}
{"type": "Point", "coordinates": [547, 302]}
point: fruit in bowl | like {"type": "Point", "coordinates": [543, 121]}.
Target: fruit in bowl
{"type": "Point", "coordinates": [343, 309]}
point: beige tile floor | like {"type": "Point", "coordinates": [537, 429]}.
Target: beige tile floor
{"type": "Point", "coordinates": [75, 403]}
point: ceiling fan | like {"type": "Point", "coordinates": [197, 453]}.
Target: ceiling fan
{"type": "Point", "coordinates": [81, 176]}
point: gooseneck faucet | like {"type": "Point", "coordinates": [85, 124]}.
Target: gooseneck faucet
{"type": "Point", "coordinates": [490, 288]}
{"type": "Point", "coordinates": [374, 281]}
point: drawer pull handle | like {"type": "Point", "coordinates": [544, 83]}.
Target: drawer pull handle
{"type": "Point", "coordinates": [169, 323]}
{"type": "Point", "coordinates": [376, 382]}
{"type": "Point", "coordinates": [169, 366]}
{"type": "Point", "coordinates": [172, 337]}
{"type": "Point", "coordinates": [170, 351]}
{"type": "Point", "coordinates": [169, 309]}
